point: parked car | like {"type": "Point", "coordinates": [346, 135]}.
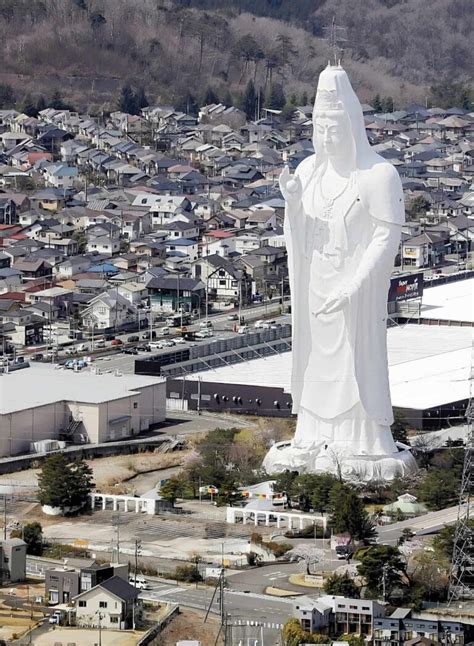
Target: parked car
{"type": "Point", "coordinates": [99, 344]}
{"type": "Point", "coordinates": [133, 339]}
{"type": "Point", "coordinates": [164, 331]}
{"type": "Point", "coordinates": [83, 347]}
{"type": "Point", "coordinates": [204, 334]}
{"type": "Point", "coordinates": [168, 344]}
{"type": "Point", "coordinates": [146, 335]}
{"type": "Point", "coordinates": [55, 618]}
{"type": "Point", "coordinates": [129, 351]}
{"type": "Point", "coordinates": [116, 342]}
{"type": "Point", "coordinates": [143, 348]}
{"type": "Point", "coordinates": [179, 340]}
{"type": "Point", "coordinates": [141, 583]}
{"type": "Point", "coordinates": [205, 324]}
{"type": "Point", "coordinates": [264, 325]}
{"type": "Point", "coordinates": [37, 357]}
{"type": "Point", "coordinates": [233, 317]}
{"type": "Point", "coordinates": [243, 329]}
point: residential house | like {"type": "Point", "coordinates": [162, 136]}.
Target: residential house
{"type": "Point", "coordinates": [32, 268]}
{"type": "Point", "coordinates": [73, 265]}
{"type": "Point", "coordinates": [179, 229]}
{"type": "Point", "coordinates": [424, 250]}
{"type": "Point", "coordinates": [60, 175]}
{"type": "Point", "coordinates": [404, 627]}
{"type": "Point", "coordinates": [8, 213]}
{"type": "Point", "coordinates": [113, 603]}
{"type": "Point", "coordinates": [12, 560]}
{"type": "Point", "coordinates": [103, 245]}
{"type": "Point", "coordinates": [28, 327]}
{"type": "Point", "coordinates": [335, 615]}
{"type": "Point", "coordinates": [109, 310]}
{"type": "Point", "coordinates": [10, 280]}
{"type": "Point", "coordinates": [134, 292]}
{"type": "Point", "coordinates": [62, 584]}
{"type": "Point", "coordinates": [183, 247]}
{"type": "Point", "coordinates": [169, 293]}
{"type": "Point", "coordinates": [224, 281]}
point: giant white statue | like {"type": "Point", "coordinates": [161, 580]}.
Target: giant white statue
{"type": "Point", "coordinates": [344, 213]}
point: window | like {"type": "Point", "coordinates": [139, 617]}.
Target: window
{"type": "Point", "coordinates": [222, 282]}
{"type": "Point", "coordinates": [135, 404]}
{"type": "Point", "coordinates": [82, 604]}
{"type": "Point", "coordinates": [53, 596]}
{"type": "Point", "coordinates": [114, 620]}
{"type": "Point", "coordinates": [102, 604]}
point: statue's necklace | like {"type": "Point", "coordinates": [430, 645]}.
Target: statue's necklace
{"type": "Point", "coordinates": [328, 203]}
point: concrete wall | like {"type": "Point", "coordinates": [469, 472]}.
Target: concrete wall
{"type": "Point", "coordinates": [19, 429]}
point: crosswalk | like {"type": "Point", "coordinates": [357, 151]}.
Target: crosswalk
{"type": "Point", "coordinates": [259, 624]}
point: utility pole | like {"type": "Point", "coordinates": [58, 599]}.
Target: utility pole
{"type": "Point", "coordinates": [138, 546]}
{"type": "Point", "coordinates": [384, 580]}
{"type": "Point", "coordinates": [4, 517]}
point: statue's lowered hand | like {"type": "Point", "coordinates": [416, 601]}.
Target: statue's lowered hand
{"type": "Point", "coordinates": [290, 186]}
{"type": "Point", "coordinates": [332, 304]}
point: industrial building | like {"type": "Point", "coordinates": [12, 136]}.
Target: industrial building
{"type": "Point", "coordinates": [44, 403]}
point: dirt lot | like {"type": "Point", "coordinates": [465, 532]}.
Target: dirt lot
{"type": "Point", "coordinates": [189, 624]}
{"type": "Point", "coordinates": [81, 637]}
{"type": "Point", "coordinates": [109, 471]}
{"type": "Point", "coordinates": [17, 609]}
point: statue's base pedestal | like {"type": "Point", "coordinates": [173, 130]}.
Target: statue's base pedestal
{"type": "Point", "coordinates": [284, 456]}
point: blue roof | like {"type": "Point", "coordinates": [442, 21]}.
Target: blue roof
{"type": "Point", "coordinates": [7, 271]}
{"type": "Point", "coordinates": [105, 268]}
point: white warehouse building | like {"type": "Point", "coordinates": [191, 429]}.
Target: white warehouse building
{"type": "Point", "coordinates": [43, 403]}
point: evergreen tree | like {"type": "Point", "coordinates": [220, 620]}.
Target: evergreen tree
{"type": "Point", "coordinates": [348, 514]}
{"type": "Point", "coordinates": [7, 96]}
{"type": "Point", "coordinates": [27, 106]}
{"type": "Point", "coordinates": [64, 484]}
{"type": "Point", "coordinates": [304, 98]}
{"type": "Point", "coordinates": [387, 104]}
{"type": "Point", "coordinates": [209, 96]}
{"type": "Point", "coordinates": [127, 101]}
{"type": "Point", "coordinates": [227, 99]}
{"type": "Point", "coordinates": [56, 101]}
{"type": "Point", "coordinates": [342, 585]}
{"type": "Point", "coordinates": [41, 103]}
{"type": "Point", "coordinates": [32, 534]}
{"type": "Point", "coordinates": [276, 97]}
{"type": "Point", "coordinates": [377, 103]}
{"type": "Point", "coordinates": [141, 98]}
{"type": "Point", "coordinates": [249, 100]}
{"type": "Point", "coordinates": [382, 567]}
{"type": "Point", "coordinates": [172, 489]}
{"type": "Point", "coordinates": [188, 104]}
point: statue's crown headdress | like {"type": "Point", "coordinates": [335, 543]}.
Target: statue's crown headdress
{"type": "Point", "coordinates": [327, 100]}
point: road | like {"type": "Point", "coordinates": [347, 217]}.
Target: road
{"type": "Point", "coordinates": [269, 612]}
{"type": "Point", "coordinates": [422, 525]}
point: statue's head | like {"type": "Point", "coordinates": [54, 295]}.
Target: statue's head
{"type": "Point", "coordinates": [339, 129]}
{"type": "Point", "coordinates": [332, 127]}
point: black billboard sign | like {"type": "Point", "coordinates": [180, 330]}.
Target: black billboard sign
{"type": "Point", "coordinates": [404, 288]}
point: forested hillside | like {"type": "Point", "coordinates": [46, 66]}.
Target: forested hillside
{"type": "Point", "coordinates": [175, 49]}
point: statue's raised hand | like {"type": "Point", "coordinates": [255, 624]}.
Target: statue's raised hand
{"type": "Point", "coordinates": [290, 186]}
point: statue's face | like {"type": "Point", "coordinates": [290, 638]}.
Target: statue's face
{"type": "Point", "coordinates": [331, 134]}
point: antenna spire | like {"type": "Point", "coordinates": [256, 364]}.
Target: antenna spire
{"type": "Point", "coordinates": [335, 35]}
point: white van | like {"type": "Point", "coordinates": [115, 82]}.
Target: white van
{"type": "Point", "coordinates": [141, 583]}
{"type": "Point", "coordinates": [243, 329]}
